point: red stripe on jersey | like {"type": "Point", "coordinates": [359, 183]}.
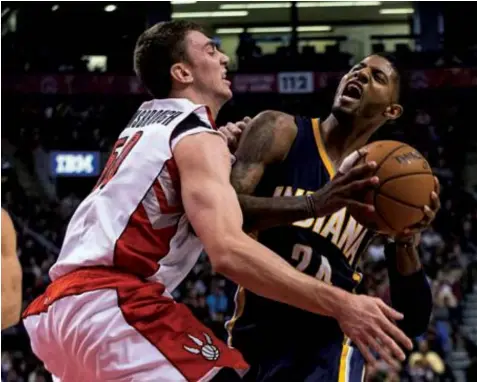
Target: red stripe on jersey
{"type": "Point", "coordinates": [173, 174]}
{"type": "Point", "coordinates": [211, 118]}
{"type": "Point", "coordinates": [140, 246]}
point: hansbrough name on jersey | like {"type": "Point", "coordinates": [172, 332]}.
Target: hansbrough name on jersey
{"type": "Point", "coordinates": [327, 248]}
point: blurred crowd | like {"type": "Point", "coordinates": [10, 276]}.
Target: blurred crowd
{"type": "Point", "coordinates": [435, 122]}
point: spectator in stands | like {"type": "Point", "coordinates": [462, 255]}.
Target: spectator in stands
{"type": "Point", "coordinates": [424, 364]}
{"type": "Point", "coordinates": [217, 303]}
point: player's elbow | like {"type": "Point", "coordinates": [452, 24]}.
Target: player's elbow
{"type": "Point", "coordinates": [275, 118]}
{"type": "Point", "coordinates": [223, 254]}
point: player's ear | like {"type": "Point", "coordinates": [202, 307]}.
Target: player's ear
{"type": "Point", "coordinates": [181, 73]}
{"type": "Point", "coordinates": [393, 111]}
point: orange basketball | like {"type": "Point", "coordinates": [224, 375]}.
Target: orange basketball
{"type": "Point", "coordinates": [405, 185]}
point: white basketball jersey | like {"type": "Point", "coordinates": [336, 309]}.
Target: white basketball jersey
{"type": "Point", "coordinates": [134, 219]}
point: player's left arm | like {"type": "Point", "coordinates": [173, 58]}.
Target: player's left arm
{"type": "Point", "coordinates": [410, 291]}
{"type": "Point", "coordinates": [11, 274]}
{"type": "Point", "coordinates": [266, 140]}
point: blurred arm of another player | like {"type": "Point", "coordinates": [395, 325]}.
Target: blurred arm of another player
{"type": "Point", "coordinates": [410, 290]}
{"type": "Point", "coordinates": [265, 141]}
{"type": "Point", "coordinates": [11, 274]}
{"type": "Point", "coordinates": [213, 210]}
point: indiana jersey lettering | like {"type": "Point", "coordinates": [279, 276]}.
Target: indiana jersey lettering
{"type": "Point", "coordinates": [134, 219]}
{"type": "Point", "coordinates": [327, 248]}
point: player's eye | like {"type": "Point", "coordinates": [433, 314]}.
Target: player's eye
{"type": "Point", "coordinates": [212, 50]}
{"type": "Point", "coordinates": [379, 77]}
{"type": "Point", "coordinates": [357, 67]}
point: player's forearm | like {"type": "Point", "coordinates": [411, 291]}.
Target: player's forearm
{"type": "Point", "coordinates": [410, 291]}
{"type": "Point", "coordinates": [407, 260]}
{"type": "Point", "coordinates": [261, 271]}
{"type": "Point", "coordinates": [262, 213]}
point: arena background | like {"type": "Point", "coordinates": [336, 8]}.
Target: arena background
{"type": "Point", "coordinates": [68, 89]}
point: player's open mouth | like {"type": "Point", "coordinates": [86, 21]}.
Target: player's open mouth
{"type": "Point", "coordinates": [353, 90]}
{"type": "Point", "coordinates": [224, 78]}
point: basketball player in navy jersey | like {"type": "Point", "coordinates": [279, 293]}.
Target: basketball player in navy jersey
{"type": "Point", "coordinates": [281, 161]}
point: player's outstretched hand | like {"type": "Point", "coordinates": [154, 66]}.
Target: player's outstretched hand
{"type": "Point", "coordinates": [369, 323]}
{"type": "Point", "coordinates": [346, 187]}
{"type": "Point", "coordinates": [233, 132]}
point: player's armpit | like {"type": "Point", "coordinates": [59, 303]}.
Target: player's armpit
{"type": "Point", "coordinates": [11, 275]}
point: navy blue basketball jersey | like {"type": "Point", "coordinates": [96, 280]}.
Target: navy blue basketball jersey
{"type": "Point", "coordinates": [327, 248]}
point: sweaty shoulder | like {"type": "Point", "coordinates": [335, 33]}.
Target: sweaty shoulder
{"type": "Point", "coordinates": [268, 138]}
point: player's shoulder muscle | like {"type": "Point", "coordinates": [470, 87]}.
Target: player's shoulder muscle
{"type": "Point", "coordinates": [268, 138]}
{"type": "Point", "coordinates": [9, 237]}
{"type": "Point", "coordinates": [202, 152]}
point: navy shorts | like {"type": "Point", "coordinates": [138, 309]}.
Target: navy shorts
{"type": "Point", "coordinates": [336, 362]}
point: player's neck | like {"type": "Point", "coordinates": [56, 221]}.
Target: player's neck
{"type": "Point", "coordinates": [341, 139]}
{"type": "Point", "coordinates": [199, 99]}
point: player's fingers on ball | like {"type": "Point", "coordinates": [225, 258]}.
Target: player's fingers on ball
{"type": "Point", "coordinates": [360, 172]}
{"type": "Point", "coordinates": [437, 185]}
{"type": "Point", "coordinates": [436, 203]}
{"type": "Point", "coordinates": [362, 152]}
{"type": "Point", "coordinates": [358, 206]}
{"type": "Point", "coordinates": [367, 355]}
{"type": "Point", "coordinates": [358, 185]}
{"type": "Point", "coordinates": [247, 120]}
{"type": "Point", "coordinates": [430, 214]}
{"type": "Point", "coordinates": [349, 161]}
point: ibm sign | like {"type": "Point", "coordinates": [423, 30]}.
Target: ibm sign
{"type": "Point", "coordinates": [75, 163]}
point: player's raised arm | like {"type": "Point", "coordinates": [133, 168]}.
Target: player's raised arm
{"type": "Point", "coordinates": [11, 274]}
{"type": "Point", "coordinates": [212, 207]}
{"type": "Point", "coordinates": [267, 140]}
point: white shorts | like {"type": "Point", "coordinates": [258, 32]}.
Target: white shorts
{"type": "Point", "coordinates": [102, 325]}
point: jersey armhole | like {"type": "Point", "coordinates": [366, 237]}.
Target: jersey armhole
{"type": "Point", "coordinates": [196, 130]}
{"type": "Point", "coordinates": [190, 126]}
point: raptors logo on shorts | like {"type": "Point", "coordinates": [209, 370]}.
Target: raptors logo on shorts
{"type": "Point", "coordinates": [208, 350]}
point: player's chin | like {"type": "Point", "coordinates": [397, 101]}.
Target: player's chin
{"type": "Point", "coordinates": [226, 92]}
{"type": "Point", "coordinates": [345, 110]}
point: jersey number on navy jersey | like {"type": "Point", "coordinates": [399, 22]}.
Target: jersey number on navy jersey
{"type": "Point", "coordinates": [303, 254]}
{"type": "Point", "coordinates": [121, 149]}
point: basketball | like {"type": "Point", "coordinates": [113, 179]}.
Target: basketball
{"type": "Point", "coordinates": [405, 185]}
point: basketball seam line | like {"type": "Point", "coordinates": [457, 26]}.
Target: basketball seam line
{"type": "Point", "coordinates": [387, 156]}
{"type": "Point", "coordinates": [379, 212]}
{"type": "Point", "coordinates": [404, 175]}
{"type": "Point", "coordinates": [405, 204]}
{"type": "Point", "coordinates": [400, 201]}
{"type": "Point", "coordinates": [376, 193]}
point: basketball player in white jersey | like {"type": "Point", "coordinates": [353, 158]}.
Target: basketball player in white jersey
{"type": "Point", "coordinates": [162, 198]}
{"type": "Point", "coordinates": [11, 274]}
